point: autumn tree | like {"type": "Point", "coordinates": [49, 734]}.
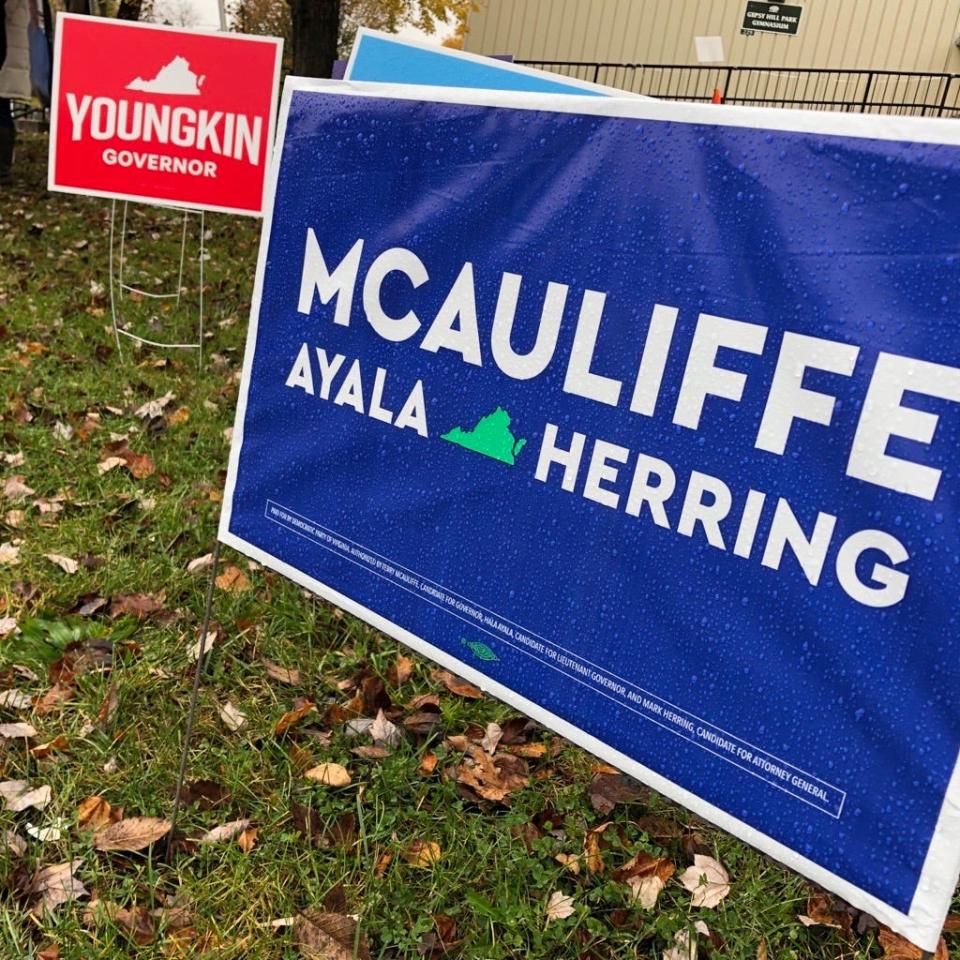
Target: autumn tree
{"type": "Point", "coordinates": [317, 31]}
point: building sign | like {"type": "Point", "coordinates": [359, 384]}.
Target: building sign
{"type": "Point", "coordinates": [144, 112]}
{"type": "Point", "coordinates": [780, 18]}
{"type": "Point", "coordinates": [646, 418]}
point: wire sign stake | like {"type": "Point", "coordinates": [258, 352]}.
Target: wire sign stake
{"type": "Point", "coordinates": [119, 286]}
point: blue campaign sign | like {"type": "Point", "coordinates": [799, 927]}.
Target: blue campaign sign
{"type": "Point", "coordinates": [383, 58]}
{"type": "Point", "coordinates": [646, 418]}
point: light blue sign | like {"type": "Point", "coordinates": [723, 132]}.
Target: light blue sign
{"type": "Point", "coordinates": [382, 58]}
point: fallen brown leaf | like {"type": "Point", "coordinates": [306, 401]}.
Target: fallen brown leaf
{"type": "Point", "coordinates": [57, 744]}
{"type": "Point", "coordinates": [282, 674]}
{"type": "Point", "coordinates": [13, 731]}
{"type": "Point", "coordinates": [400, 672]}
{"type": "Point", "coordinates": [248, 839]}
{"type": "Point", "coordinates": [492, 778]}
{"type": "Point", "coordinates": [179, 416]}
{"type": "Point", "coordinates": [455, 684]}
{"type": "Point", "coordinates": [232, 718]}
{"type": "Point", "coordinates": [226, 831]}
{"type": "Point", "coordinates": [428, 763]}
{"type": "Point", "coordinates": [139, 605]}
{"type": "Point", "coordinates": [66, 564]}
{"type": "Point", "coordinates": [707, 880]}
{"type": "Point", "coordinates": [14, 700]}
{"type": "Point", "coordinates": [233, 579]}
{"type": "Point", "coordinates": [294, 716]}
{"type": "Point", "coordinates": [13, 843]}
{"type": "Point", "coordinates": [422, 854]}
{"type": "Point", "coordinates": [645, 875]}
{"type": "Point", "coordinates": [822, 912]}
{"type": "Point", "coordinates": [608, 789]}
{"type": "Point", "coordinates": [591, 849]}
{"type": "Point", "coordinates": [18, 796]}
{"type": "Point", "coordinates": [330, 774]}
{"type": "Point", "coordinates": [53, 699]}
{"type": "Point", "coordinates": [329, 936]}
{"type": "Point", "coordinates": [56, 884]}
{"type": "Point", "coordinates": [200, 564]}
{"type": "Point", "coordinates": [136, 833]}
{"type": "Point", "coordinates": [136, 922]}
{"type": "Point", "coordinates": [896, 947]}
{"type": "Point", "coordinates": [559, 906]}
{"type": "Point", "coordinates": [93, 814]}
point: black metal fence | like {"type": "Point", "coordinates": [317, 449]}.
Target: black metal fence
{"type": "Point", "coordinates": [853, 91]}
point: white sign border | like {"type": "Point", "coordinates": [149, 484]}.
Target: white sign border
{"type": "Point", "coordinates": [54, 187]}
{"type": "Point", "coordinates": [935, 888]}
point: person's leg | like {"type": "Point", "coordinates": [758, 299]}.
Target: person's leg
{"type": "Point", "coordinates": [8, 136]}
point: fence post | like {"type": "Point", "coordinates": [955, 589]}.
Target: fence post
{"type": "Point", "coordinates": [596, 73]}
{"type": "Point", "coordinates": [946, 90]}
{"type": "Point", "coordinates": [866, 92]}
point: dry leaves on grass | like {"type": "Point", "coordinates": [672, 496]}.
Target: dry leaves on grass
{"type": "Point", "coordinates": [321, 935]}
{"type": "Point", "coordinates": [18, 796]}
{"type": "Point", "coordinates": [685, 944]}
{"type": "Point", "coordinates": [66, 564]}
{"type": "Point", "coordinates": [140, 465]}
{"type": "Point", "coordinates": [400, 672]}
{"type": "Point", "coordinates": [492, 778]}
{"type": "Point", "coordinates": [646, 876]}
{"type": "Point", "coordinates": [14, 699]}
{"type": "Point", "coordinates": [559, 906]}
{"type": "Point", "coordinates": [609, 787]}
{"type": "Point", "coordinates": [139, 605]}
{"type": "Point", "coordinates": [16, 489]}
{"type": "Point", "coordinates": [154, 408]}
{"type": "Point", "coordinates": [592, 856]}
{"type": "Point", "coordinates": [300, 709]}
{"type": "Point", "coordinates": [138, 923]}
{"type": "Point", "coordinates": [383, 732]}
{"type": "Point", "coordinates": [896, 947]}
{"type": "Point", "coordinates": [94, 813]}
{"type": "Point", "coordinates": [233, 579]}
{"type": "Point", "coordinates": [136, 833]}
{"type": "Point", "coordinates": [282, 674]}
{"type": "Point", "coordinates": [329, 774]}
{"type": "Point", "coordinates": [13, 843]}
{"type": "Point", "coordinates": [57, 744]}
{"type": "Point", "coordinates": [707, 880]}
{"type": "Point", "coordinates": [821, 912]}
{"type": "Point", "coordinates": [9, 554]}
{"type": "Point", "coordinates": [200, 564]}
{"type": "Point", "coordinates": [55, 885]}
{"type": "Point", "coordinates": [422, 854]}
{"type": "Point", "coordinates": [12, 731]}
{"type": "Point", "coordinates": [232, 718]}
{"type": "Point", "coordinates": [457, 685]}
{"type": "Point", "coordinates": [224, 832]}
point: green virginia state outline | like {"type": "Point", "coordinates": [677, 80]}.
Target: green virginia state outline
{"type": "Point", "coordinates": [490, 437]}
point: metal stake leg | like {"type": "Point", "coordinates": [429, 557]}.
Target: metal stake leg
{"type": "Point", "coordinates": [191, 714]}
{"type": "Point", "coordinates": [113, 304]}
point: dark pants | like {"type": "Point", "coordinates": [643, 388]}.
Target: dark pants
{"type": "Point", "coordinates": [6, 116]}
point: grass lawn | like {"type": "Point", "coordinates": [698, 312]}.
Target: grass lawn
{"type": "Point", "coordinates": [409, 846]}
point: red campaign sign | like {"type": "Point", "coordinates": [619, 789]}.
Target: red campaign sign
{"type": "Point", "coordinates": [160, 114]}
